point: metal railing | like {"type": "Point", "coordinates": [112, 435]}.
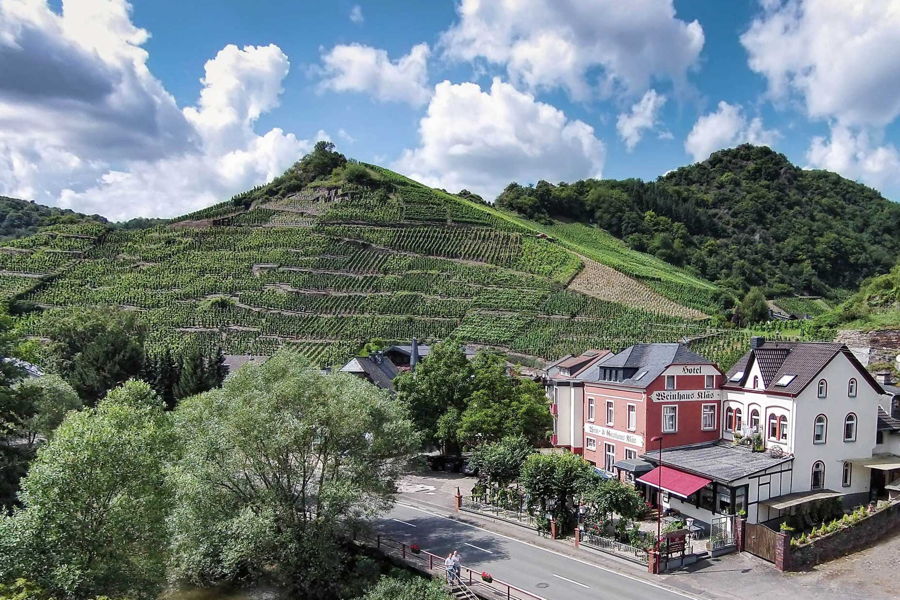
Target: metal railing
{"type": "Point", "coordinates": [605, 544]}
{"type": "Point", "coordinates": [519, 516]}
{"type": "Point", "coordinates": [433, 565]}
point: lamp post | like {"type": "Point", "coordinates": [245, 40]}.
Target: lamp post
{"type": "Point", "coordinates": [659, 510]}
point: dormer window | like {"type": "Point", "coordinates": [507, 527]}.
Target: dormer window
{"type": "Point", "coordinates": [822, 389]}
{"type": "Point", "coordinates": [851, 388]}
{"type": "Point", "coordinates": [737, 376]}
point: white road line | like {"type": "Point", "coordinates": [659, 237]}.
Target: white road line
{"type": "Point", "coordinates": [404, 522]}
{"type": "Point", "coordinates": [477, 548]}
{"type": "Point", "coordinates": [665, 588]}
{"type": "Point", "coordinates": [570, 581]}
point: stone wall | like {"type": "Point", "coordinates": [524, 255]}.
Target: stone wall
{"type": "Point", "coordinates": [872, 346]}
{"type": "Point", "coordinates": [845, 541]}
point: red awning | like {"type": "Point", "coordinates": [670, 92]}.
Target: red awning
{"type": "Point", "coordinates": [674, 481]}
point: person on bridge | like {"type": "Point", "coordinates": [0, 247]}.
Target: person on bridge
{"type": "Point", "coordinates": [448, 567]}
{"type": "Point", "coordinates": [455, 565]}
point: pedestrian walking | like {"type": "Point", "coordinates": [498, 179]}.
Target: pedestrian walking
{"type": "Point", "coordinates": [448, 566]}
{"type": "Point", "coordinates": [457, 567]}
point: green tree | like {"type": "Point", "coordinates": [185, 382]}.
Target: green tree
{"type": "Point", "coordinates": [48, 399]}
{"type": "Point", "coordinates": [554, 482]}
{"type": "Point", "coordinates": [15, 410]}
{"type": "Point", "coordinates": [500, 463]}
{"type": "Point", "coordinates": [407, 588]}
{"type": "Point", "coordinates": [610, 496]}
{"type": "Point", "coordinates": [95, 350]}
{"type": "Point", "coordinates": [95, 501]}
{"type": "Point", "coordinates": [440, 383]}
{"type": "Point", "coordinates": [162, 372]}
{"type": "Point", "coordinates": [753, 308]}
{"type": "Point", "coordinates": [193, 377]}
{"type": "Point", "coordinates": [275, 470]}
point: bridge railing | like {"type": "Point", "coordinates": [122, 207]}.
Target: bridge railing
{"type": "Point", "coordinates": [433, 565]}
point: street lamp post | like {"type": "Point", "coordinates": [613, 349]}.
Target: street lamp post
{"type": "Point", "coordinates": [659, 509]}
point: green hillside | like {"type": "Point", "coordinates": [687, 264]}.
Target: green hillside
{"type": "Point", "coordinates": [335, 253]}
{"type": "Point", "coordinates": [744, 217]}
{"type": "Point", "coordinates": [19, 218]}
{"type": "Point", "coordinates": [875, 306]}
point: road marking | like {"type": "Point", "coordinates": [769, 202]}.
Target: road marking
{"type": "Point", "coordinates": [570, 581]}
{"type": "Point", "coordinates": [665, 588]}
{"type": "Point", "coordinates": [404, 522]}
{"type": "Point", "coordinates": [477, 548]}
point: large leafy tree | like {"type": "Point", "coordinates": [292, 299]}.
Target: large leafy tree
{"type": "Point", "coordinates": [499, 463]}
{"type": "Point", "coordinates": [46, 401]}
{"type": "Point", "coordinates": [554, 482]}
{"type": "Point", "coordinates": [610, 496]}
{"type": "Point", "coordinates": [275, 470]}
{"type": "Point", "coordinates": [14, 410]}
{"type": "Point", "coordinates": [753, 308]}
{"type": "Point", "coordinates": [94, 502]}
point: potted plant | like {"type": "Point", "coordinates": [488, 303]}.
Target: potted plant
{"type": "Point", "coordinates": [486, 577]}
{"type": "Point", "coordinates": [415, 548]}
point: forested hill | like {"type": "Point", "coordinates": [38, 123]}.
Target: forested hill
{"type": "Point", "coordinates": [19, 218]}
{"type": "Point", "coordinates": [335, 253]}
{"type": "Point", "coordinates": [745, 217]}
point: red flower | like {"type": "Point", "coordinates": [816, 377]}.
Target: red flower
{"type": "Point", "coordinates": [414, 548]}
{"type": "Point", "coordinates": [485, 576]}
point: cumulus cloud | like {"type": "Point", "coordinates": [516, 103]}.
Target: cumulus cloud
{"type": "Point", "coordinates": [643, 116]}
{"type": "Point", "coordinates": [85, 124]}
{"type": "Point", "coordinates": [726, 127]}
{"type": "Point", "coordinates": [840, 57]}
{"type": "Point", "coordinates": [356, 14]}
{"type": "Point", "coordinates": [359, 68]}
{"type": "Point", "coordinates": [856, 155]}
{"type": "Point", "coordinates": [587, 48]}
{"type": "Point", "coordinates": [483, 140]}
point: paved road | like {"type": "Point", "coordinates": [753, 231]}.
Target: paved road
{"type": "Point", "coordinates": [543, 572]}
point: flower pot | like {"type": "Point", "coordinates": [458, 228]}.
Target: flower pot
{"type": "Point", "coordinates": [415, 549]}
{"type": "Point", "coordinates": [486, 577]}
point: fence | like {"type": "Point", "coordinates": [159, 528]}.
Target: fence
{"type": "Point", "coordinates": [433, 565]}
{"type": "Point", "coordinates": [605, 544]}
{"type": "Point", "coordinates": [475, 504]}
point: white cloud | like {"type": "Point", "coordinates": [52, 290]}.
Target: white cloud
{"type": "Point", "coordinates": [856, 155]}
{"type": "Point", "coordinates": [482, 141]}
{"type": "Point", "coordinates": [358, 68]}
{"type": "Point", "coordinates": [840, 57]}
{"type": "Point", "coordinates": [644, 115]}
{"type": "Point", "coordinates": [85, 124]}
{"type": "Point", "coordinates": [726, 127]}
{"type": "Point", "coordinates": [356, 14]}
{"type": "Point", "coordinates": [603, 46]}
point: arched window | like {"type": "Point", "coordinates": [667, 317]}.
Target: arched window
{"type": "Point", "coordinates": [822, 388]}
{"type": "Point", "coordinates": [818, 475]}
{"type": "Point", "coordinates": [773, 427]}
{"type": "Point", "coordinates": [820, 430]}
{"type": "Point", "coordinates": [850, 428]}
{"type": "Point", "coordinates": [851, 388]}
{"type": "Point", "coordinates": [847, 474]}
{"type": "Point", "coordinates": [729, 419]}
{"type": "Point", "coordinates": [738, 419]}
{"type": "Point", "coordinates": [754, 420]}
{"type": "Point", "coordinates": [755, 382]}
{"type": "Point", "coordinates": [782, 428]}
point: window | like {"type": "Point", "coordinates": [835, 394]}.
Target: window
{"type": "Point", "coordinates": [773, 427]}
{"type": "Point", "coordinates": [632, 417]}
{"type": "Point", "coordinates": [851, 388]}
{"type": "Point", "coordinates": [670, 382]}
{"type": "Point", "coordinates": [785, 380]}
{"type": "Point", "coordinates": [822, 388]}
{"type": "Point", "coordinates": [590, 409]}
{"type": "Point", "coordinates": [639, 375]}
{"type": "Point", "coordinates": [630, 455]}
{"type": "Point", "coordinates": [782, 428]}
{"type": "Point", "coordinates": [609, 457]}
{"type": "Point", "coordinates": [820, 430]}
{"type": "Point", "coordinates": [738, 419]}
{"type": "Point", "coordinates": [846, 474]}
{"type": "Point", "coordinates": [729, 419]}
{"type": "Point", "coordinates": [708, 417]}
{"type": "Point", "coordinates": [710, 382]}
{"type": "Point", "coordinates": [670, 419]}
{"type": "Point", "coordinates": [590, 443]}
{"type": "Point", "coordinates": [610, 413]}
{"type": "Point", "coordinates": [818, 475]}
{"type": "Point", "coordinates": [850, 428]}
{"type": "Point", "coordinates": [755, 382]}
{"type": "Point", "coordinates": [778, 428]}
{"type": "Point", "coordinates": [754, 420]}
{"type": "Point", "coordinates": [737, 376]}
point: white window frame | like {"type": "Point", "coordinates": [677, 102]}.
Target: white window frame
{"type": "Point", "coordinates": [852, 388]}
{"type": "Point", "coordinates": [610, 413]}
{"type": "Point", "coordinates": [709, 382]}
{"type": "Point", "coordinates": [666, 411]}
{"type": "Point", "coordinates": [824, 421]}
{"type": "Point", "coordinates": [590, 443]}
{"type": "Point", "coordinates": [632, 417]}
{"type": "Point", "coordinates": [674, 383]}
{"type": "Point", "coordinates": [855, 421]}
{"type": "Point", "coordinates": [591, 410]}
{"type": "Point", "coordinates": [847, 474]}
{"type": "Point", "coordinates": [729, 419]}
{"type": "Point", "coordinates": [609, 458]}
{"type": "Point", "coordinates": [707, 410]}
{"type": "Point", "coordinates": [812, 476]}
{"type": "Point", "coordinates": [630, 454]}
{"type": "Point", "coordinates": [822, 389]}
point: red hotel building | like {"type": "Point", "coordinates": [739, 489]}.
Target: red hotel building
{"type": "Point", "coordinates": [644, 391]}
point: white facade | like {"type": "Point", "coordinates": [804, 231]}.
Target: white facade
{"type": "Point", "coordinates": [848, 405]}
{"type": "Point", "coordinates": [568, 398]}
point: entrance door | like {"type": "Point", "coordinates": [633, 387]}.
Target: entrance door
{"type": "Point", "coordinates": [760, 541]}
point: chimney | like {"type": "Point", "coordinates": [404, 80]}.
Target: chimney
{"type": "Point", "coordinates": [414, 355]}
{"type": "Point", "coordinates": [884, 377]}
{"type": "Point", "coordinates": [756, 341]}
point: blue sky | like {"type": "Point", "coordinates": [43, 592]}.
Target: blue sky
{"type": "Point", "coordinates": [158, 107]}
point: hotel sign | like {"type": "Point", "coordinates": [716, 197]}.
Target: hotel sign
{"type": "Point", "coordinates": [614, 434]}
{"type": "Point", "coordinates": [685, 395]}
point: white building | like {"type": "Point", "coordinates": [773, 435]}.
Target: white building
{"type": "Point", "coordinates": [566, 396]}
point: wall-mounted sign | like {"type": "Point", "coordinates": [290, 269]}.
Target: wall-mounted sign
{"type": "Point", "coordinates": [685, 395]}
{"type": "Point", "coordinates": [691, 370]}
{"type": "Point", "coordinates": [614, 434]}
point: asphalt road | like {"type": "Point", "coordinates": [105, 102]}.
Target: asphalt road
{"type": "Point", "coordinates": [537, 570]}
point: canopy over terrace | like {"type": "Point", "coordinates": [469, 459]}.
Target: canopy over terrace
{"type": "Point", "coordinates": [674, 481]}
{"type": "Point", "coordinates": [798, 498]}
{"type": "Point", "coordinates": [882, 462]}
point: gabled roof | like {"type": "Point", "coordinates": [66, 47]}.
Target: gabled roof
{"type": "Point", "coordinates": [575, 365]}
{"type": "Point", "coordinates": [650, 359]}
{"type": "Point", "coordinates": [803, 360]}
{"type": "Point", "coordinates": [381, 371]}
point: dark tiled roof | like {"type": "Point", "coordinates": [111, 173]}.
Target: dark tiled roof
{"type": "Point", "coordinates": [721, 461]}
{"type": "Point", "coordinates": [886, 422]}
{"type": "Point", "coordinates": [652, 358]}
{"type": "Point", "coordinates": [770, 360]}
{"type": "Point", "coordinates": [575, 365]}
{"type": "Point", "coordinates": [891, 389]}
{"type": "Point", "coordinates": [380, 372]}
